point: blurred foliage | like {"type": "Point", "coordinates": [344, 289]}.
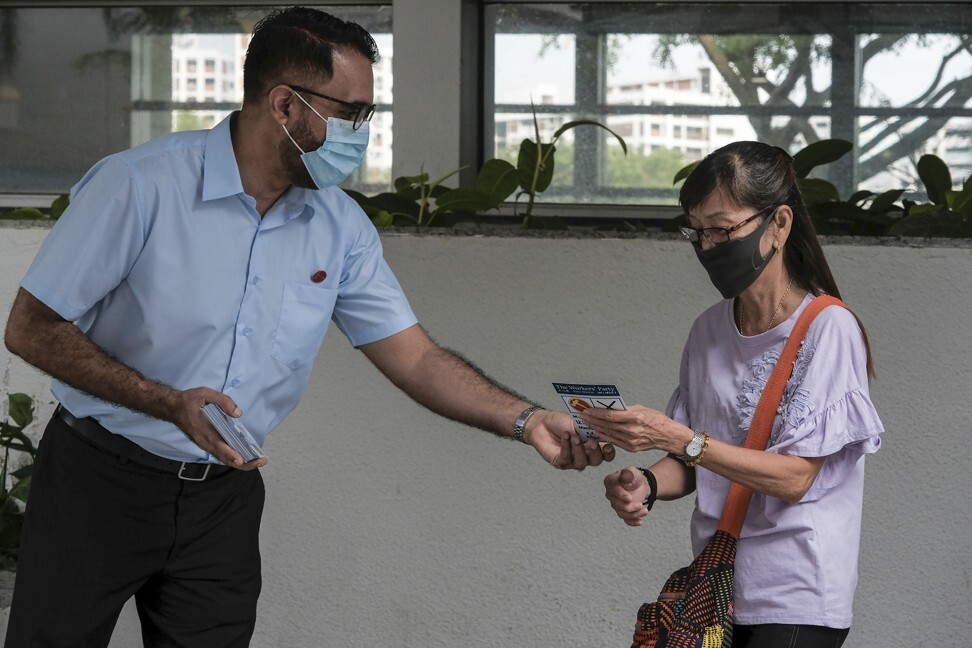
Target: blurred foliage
{"type": "Point", "coordinates": [948, 212]}
{"type": "Point", "coordinates": [32, 213]}
{"type": "Point", "coordinates": [13, 499]}
{"type": "Point", "coordinates": [422, 202]}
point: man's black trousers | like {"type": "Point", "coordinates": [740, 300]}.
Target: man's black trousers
{"type": "Point", "coordinates": [101, 529]}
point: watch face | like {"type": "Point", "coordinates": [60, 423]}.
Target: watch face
{"type": "Point", "coordinates": [694, 447]}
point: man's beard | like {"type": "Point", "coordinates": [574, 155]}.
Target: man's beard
{"type": "Point", "coordinates": [290, 156]}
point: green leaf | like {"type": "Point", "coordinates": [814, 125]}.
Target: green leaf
{"type": "Point", "coordinates": [819, 153]}
{"type": "Point", "coordinates": [951, 197]}
{"type": "Point", "coordinates": [937, 178]}
{"type": "Point", "coordinates": [588, 122]}
{"type": "Point", "coordinates": [463, 200]}
{"type": "Point", "coordinates": [23, 213]}
{"type": "Point", "coordinates": [816, 191]}
{"type": "Point", "coordinates": [410, 187]}
{"type": "Point", "coordinates": [395, 203]}
{"type": "Point", "coordinates": [21, 490]}
{"type": "Point", "coordinates": [885, 201]}
{"type": "Point", "coordinates": [438, 190]}
{"type": "Point", "coordinates": [860, 196]}
{"type": "Point", "coordinates": [21, 409]}
{"type": "Point", "coordinates": [527, 161]}
{"type": "Point", "coordinates": [497, 179]}
{"type": "Point", "coordinates": [357, 196]}
{"type": "Point", "coordinates": [411, 181]}
{"type": "Point", "coordinates": [923, 209]}
{"type": "Point", "coordinates": [382, 218]}
{"type": "Point", "coordinates": [684, 173]}
{"type": "Point", "coordinates": [59, 205]}
{"type": "Point", "coordinates": [964, 199]}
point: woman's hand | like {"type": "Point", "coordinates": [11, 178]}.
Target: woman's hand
{"type": "Point", "coordinates": [638, 429]}
{"type": "Point", "coordinates": [627, 490]}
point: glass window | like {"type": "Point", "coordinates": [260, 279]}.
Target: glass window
{"type": "Point", "coordinates": [678, 80]}
{"type": "Point", "coordinates": [928, 113]}
{"type": "Point", "coordinates": [77, 84]}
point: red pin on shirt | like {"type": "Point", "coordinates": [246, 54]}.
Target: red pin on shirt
{"type": "Point", "coordinates": [319, 276]}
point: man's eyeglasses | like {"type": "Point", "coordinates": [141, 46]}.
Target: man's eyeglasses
{"type": "Point", "coordinates": [721, 234]}
{"type": "Point", "coordinates": [362, 112]}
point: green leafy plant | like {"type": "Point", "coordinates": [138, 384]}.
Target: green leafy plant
{"type": "Point", "coordinates": [948, 213]}
{"type": "Point", "coordinates": [32, 213]}
{"type": "Point", "coordinates": [422, 202]}
{"type": "Point", "coordinates": [13, 500]}
{"type": "Point", "coordinates": [863, 214]}
{"type": "Point", "coordinates": [535, 162]}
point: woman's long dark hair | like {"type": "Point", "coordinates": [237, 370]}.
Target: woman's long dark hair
{"type": "Point", "coordinates": [760, 176]}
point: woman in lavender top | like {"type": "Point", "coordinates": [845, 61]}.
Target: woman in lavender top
{"type": "Point", "coordinates": [796, 562]}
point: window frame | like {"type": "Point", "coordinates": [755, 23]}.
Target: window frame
{"type": "Point", "coordinates": [843, 111]}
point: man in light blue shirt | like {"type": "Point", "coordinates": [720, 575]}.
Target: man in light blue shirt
{"type": "Point", "coordinates": [205, 267]}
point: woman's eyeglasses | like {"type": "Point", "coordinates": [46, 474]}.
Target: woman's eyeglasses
{"type": "Point", "coordinates": [718, 235]}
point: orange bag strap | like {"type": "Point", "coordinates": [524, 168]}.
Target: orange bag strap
{"type": "Point", "coordinates": [737, 502]}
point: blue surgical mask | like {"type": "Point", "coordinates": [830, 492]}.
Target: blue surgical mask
{"type": "Point", "coordinates": [340, 154]}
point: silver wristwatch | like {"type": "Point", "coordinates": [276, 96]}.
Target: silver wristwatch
{"type": "Point", "coordinates": [521, 422]}
{"type": "Point", "coordinates": [693, 449]}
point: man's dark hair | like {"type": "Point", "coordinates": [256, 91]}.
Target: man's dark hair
{"type": "Point", "coordinates": [298, 43]}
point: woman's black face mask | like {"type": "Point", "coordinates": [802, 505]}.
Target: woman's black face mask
{"type": "Point", "coordinates": [733, 266]}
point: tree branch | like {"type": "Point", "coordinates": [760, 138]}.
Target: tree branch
{"type": "Point", "coordinates": [911, 141]}
{"type": "Point", "coordinates": [746, 93]}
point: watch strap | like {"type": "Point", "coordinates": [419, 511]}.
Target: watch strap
{"type": "Point", "coordinates": [521, 421]}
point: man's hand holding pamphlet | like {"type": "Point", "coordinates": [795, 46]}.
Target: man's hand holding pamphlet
{"type": "Point", "coordinates": [234, 433]}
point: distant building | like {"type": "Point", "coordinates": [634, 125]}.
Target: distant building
{"type": "Point", "coordinates": [511, 129]}
{"type": "Point", "coordinates": [202, 74]}
{"type": "Point", "coordinates": [209, 69]}
{"type": "Point", "coordinates": [693, 135]}
{"type": "Point", "coordinates": [378, 163]}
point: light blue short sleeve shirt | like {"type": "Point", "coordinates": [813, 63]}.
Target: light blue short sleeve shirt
{"type": "Point", "coordinates": [164, 262]}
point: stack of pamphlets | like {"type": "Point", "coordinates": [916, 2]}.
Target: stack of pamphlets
{"type": "Point", "coordinates": [234, 433]}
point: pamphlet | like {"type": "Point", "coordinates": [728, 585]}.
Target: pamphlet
{"type": "Point", "coordinates": [233, 432]}
{"type": "Point", "coordinates": [578, 397]}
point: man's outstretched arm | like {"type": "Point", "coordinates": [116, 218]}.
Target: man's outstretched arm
{"type": "Point", "coordinates": [451, 386]}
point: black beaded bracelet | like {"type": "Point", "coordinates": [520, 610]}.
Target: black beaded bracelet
{"type": "Point", "coordinates": [652, 488]}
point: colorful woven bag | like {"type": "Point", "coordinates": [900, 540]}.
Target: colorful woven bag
{"type": "Point", "coordinates": [694, 609]}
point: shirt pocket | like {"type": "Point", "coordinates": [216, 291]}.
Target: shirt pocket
{"type": "Point", "coordinates": [304, 317]}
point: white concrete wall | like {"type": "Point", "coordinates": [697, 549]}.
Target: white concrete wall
{"type": "Point", "coordinates": [386, 525]}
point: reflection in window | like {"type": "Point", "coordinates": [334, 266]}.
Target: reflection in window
{"type": "Point", "coordinates": [130, 74]}
{"type": "Point", "coordinates": [535, 67]}
{"type": "Point", "coordinates": [678, 81]}
{"type": "Point", "coordinates": [938, 70]}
